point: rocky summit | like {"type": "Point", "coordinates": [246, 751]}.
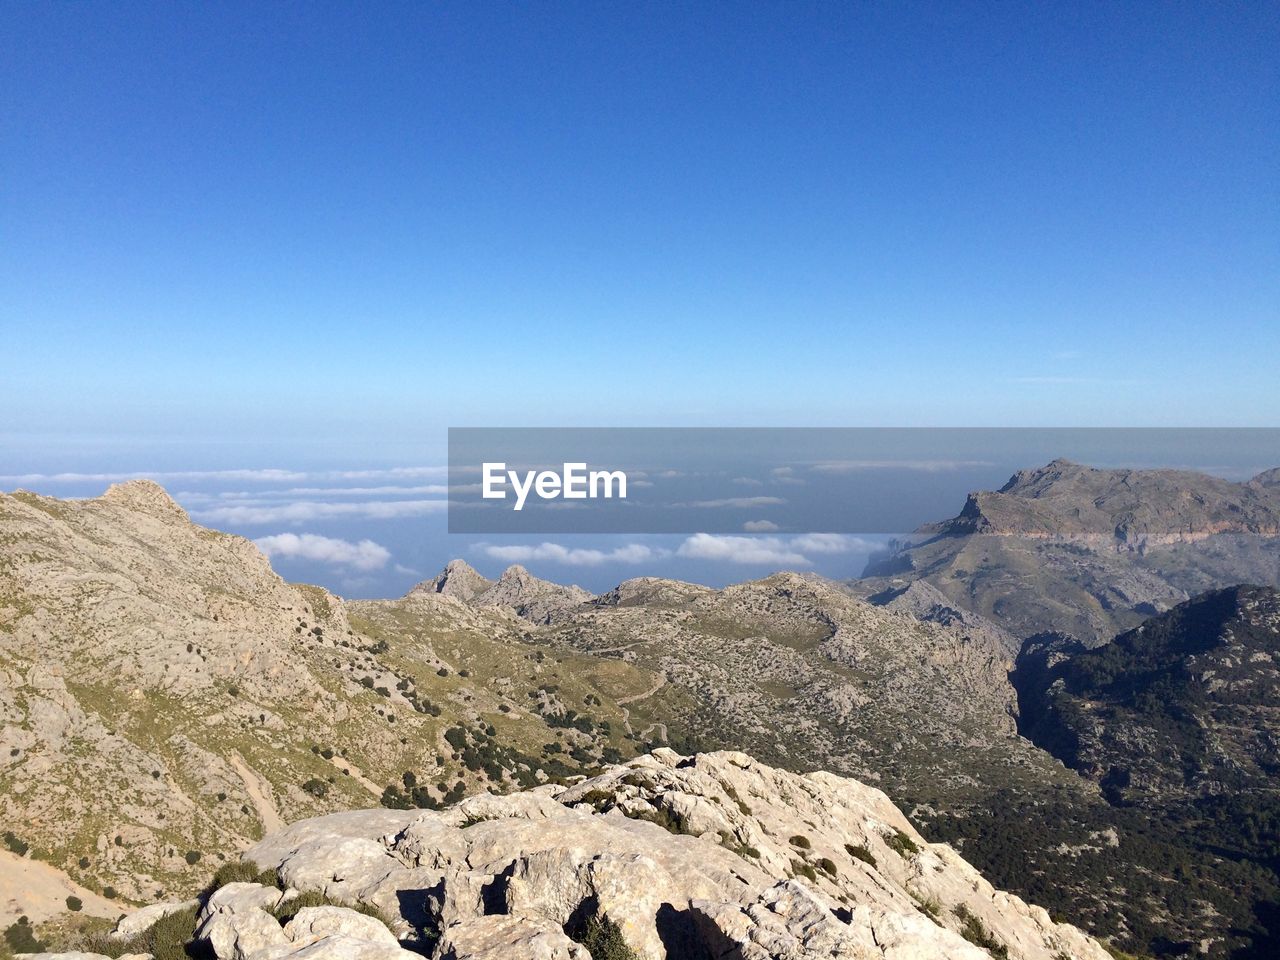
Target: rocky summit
{"type": "Point", "coordinates": [1090, 552]}
{"type": "Point", "coordinates": [686, 858]}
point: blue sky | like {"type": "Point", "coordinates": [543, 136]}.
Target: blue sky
{"type": "Point", "coordinates": [302, 235]}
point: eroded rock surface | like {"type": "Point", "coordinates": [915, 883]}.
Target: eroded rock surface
{"type": "Point", "coordinates": [714, 855]}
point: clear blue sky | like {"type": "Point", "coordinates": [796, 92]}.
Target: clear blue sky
{"type": "Point", "coordinates": [351, 223]}
{"type": "Point", "coordinates": [311, 236]}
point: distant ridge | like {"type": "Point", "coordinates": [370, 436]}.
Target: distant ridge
{"type": "Point", "coordinates": [1130, 508]}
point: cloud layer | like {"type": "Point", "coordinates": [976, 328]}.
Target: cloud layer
{"type": "Point", "coordinates": [572, 556]}
{"type": "Point", "coordinates": [364, 555]}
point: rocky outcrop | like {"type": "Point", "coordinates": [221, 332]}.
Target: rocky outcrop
{"type": "Point", "coordinates": [924, 601]}
{"type": "Point", "coordinates": [517, 591]}
{"type": "Point", "coordinates": [715, 854]}
{"type": "Point", "coordinates": [1131, 509]}
{"type": "Point", "coordinates": [1182, 707]}
{"type": "Point", "coordinates": [458, 579]}
{"type": "Point", "coordinates": [529, 597]}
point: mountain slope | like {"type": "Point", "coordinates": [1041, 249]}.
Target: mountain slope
{"type": "Point", "coordinates": [164, 696]}
{"type": "Point", "coordinates": [1090, 552]}
{"type": "Point", "coordinates": [1185, 706]}
{"type": "Point", "coordinates": [664, 858]}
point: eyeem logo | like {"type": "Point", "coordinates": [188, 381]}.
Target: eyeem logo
{"type": "Point", "coordinates": [574, 483]}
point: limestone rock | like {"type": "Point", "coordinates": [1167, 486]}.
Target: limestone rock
{"type": "Point", "coordinates": [142, 920]}
{"type": "Point", "coordinates": [682, 855]}
{"type": "Point", "coordinates": [507, 938]}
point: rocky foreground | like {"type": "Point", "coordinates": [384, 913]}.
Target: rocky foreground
{"type": "Point", "coordinates": [711, 856]}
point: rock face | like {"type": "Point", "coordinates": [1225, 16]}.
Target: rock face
{"type": "Point", "coordinates": [1129, 509]}
{"type": "Point", "coordinates": [1185, 706]}
{"type": "Point", "coordinates": [458, 579]}
{"type": "Point", "coordinates": [165, 698]}
{"type": "Point", "coordinates": [517, 590]}
{"type": "Point", "coordinates": [1091, 553]}
{"type": "Point", "coordinates": [713, 855]}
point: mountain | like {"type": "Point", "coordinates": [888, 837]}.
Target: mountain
{"type": "Point", "coordinates": [714, 855]}
{"type": "Point", "coordinates": [165, 698]}
{"type": "Point", "coordinates": [924, 601]}
{"type": "Point", "coordinates": [1071, 549]}
{"type": "Point", "coordinates": [1185, 706]}
{"type": "Point", "coordinates": [1121, 509]}
{"type": "Point", "coordinates": [516, 590]}
{"type": "Point", "coordinates": [458, 579]}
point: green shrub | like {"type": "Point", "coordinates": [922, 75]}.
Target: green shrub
{"type": "Point", "coordinates": [16, 844]}
{"type": "Point", "coordinates": [604, 940]}
{"type": "Point", "coordinates": [661, 816]}
{"type": "Point", "coordinates": [192, 857]}
{"type": "Point", "coordinates": [316, 787]}
{"type": "Point", "coordinates": [286, 911]}
{"type": "Point", "coordinates": [901, 844]}
{"type": "Point", "coordinates": [801, 842]}
{"type": "Point", "coordinates": [976, 933]}
{"type": "Point", "coordinates": [860, 852]}
{"type": "Point", "coordinates": [827, 865]}
{"type": "Point", "coordinates": [242, 871]}
{"type": "Point", "coordinates": [802, 869]}
{"type": "Point", "coordinates": [75, 904]}
{"type": "Point", "coordinates": [20, 938]}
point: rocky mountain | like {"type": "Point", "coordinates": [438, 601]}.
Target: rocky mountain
{"type": "Point", "coordinates": [715, 855]}
{"type": "Point", "coordinates": [1088, 552]}
{"type": "Point", "coordinates": [165, 698]}
{"type": "Point", "coordinates": [912, 695]}
{"type": "Point", "coordinates": [458, 579]}
{"type": "Point", "coordinates": [516, 590]}
{"type": "Point", "coordinates": [1122, 509]}
{"type": "Point", "coordinates": [924, 601]}
{"type": "Point", "coordinates": [1185, 706]}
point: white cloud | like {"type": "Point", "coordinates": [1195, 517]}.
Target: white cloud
{"type": "Point", "coordinates": [267, 475]}
{"type": "Point", "coordinates": [760, 526]}
{"type": "Point", "coordinates": [738, 502]}
{"type": "Point", "coordinates": [747, 482]}
{"type": "Point", "coordinates": [325, 492]}
{"type": "Point", "coordinates": [924, 466]}
{"type": "Point", "coordinates": [751, 550]}
{"type": "Point", "coordinates": [573, 556]}
{"type": "Point", "coordinates": [365, 555]}
{"type": "Point", "coordinates": [831, 543]}
{"type": "Point", "coordinates": [160, 476]}
{"type": "Point", "coordinates": [304, 511]}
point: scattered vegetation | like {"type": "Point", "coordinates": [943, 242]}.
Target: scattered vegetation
{"type": "Point", "coordinates": [901, 844]}
{"type": "Point", "coordinates": [604, 940]}
{"type": "Point", "coordinates": [167, 939]}
{"type": "Point", "coordinates": [976, 932]}
{"type": "Point", "coordinates": [859, 852]}
{"type": "Point", "coordinates": [286, 911]}
{"type": "Point", "coordinates": [19, 937]}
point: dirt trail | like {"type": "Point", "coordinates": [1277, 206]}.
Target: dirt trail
{"type": "Point", "coordinates": [661, 727]}
{"type": "Point", "coordinates": [259, 793]}
{"type": "Point", "coordinates": [40, 890]}
{"type": "Point", "coordinates": [342, 763]}
{"type": "Point", "coordinates": [622, 701]}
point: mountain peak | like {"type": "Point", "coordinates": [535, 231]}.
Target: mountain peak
{"type": "Point", "coordinates": [1268, 478]}
{"type": "Point", "coordinates": [145, 496]}
{"type": "Point", "coordinates": [1129, 508]}
{"type": "Point", "coordinates": [457, 579]}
